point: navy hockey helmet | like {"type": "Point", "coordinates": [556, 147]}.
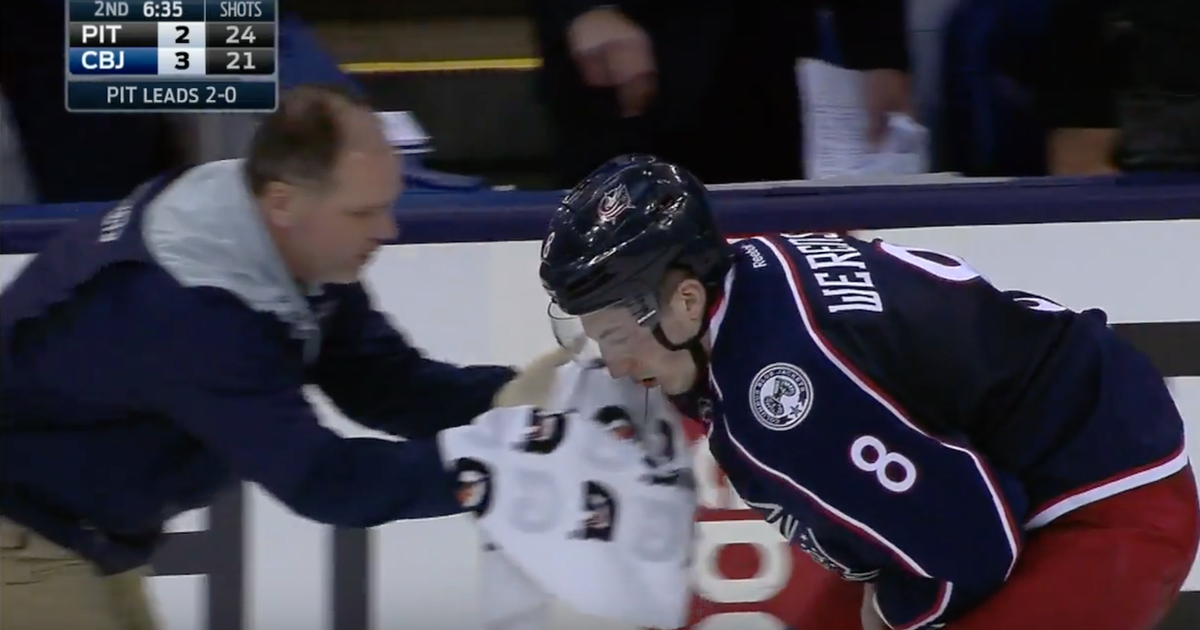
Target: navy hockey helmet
{"type": "Point", "coordinates": [615, 236]}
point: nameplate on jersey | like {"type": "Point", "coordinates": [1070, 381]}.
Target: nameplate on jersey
{"type": "Point", "coordinates": [828, 269]}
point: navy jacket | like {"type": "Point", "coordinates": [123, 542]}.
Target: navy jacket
{"type": "Point", "coordinates": [158, 354]}
{"type": "Point", "coordinates": [906, 422]}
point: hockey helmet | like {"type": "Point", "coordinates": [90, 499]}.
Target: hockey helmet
{"type": "Point", "coordinates": [616, 235]}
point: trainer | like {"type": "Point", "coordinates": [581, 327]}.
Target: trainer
{"type": "Point", "coordinates": [156, 355]}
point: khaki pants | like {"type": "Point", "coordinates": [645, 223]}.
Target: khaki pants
{"type": "Point", "coordinates": [46, 587]}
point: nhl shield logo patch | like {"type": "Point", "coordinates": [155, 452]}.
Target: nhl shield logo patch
{"type": "Point", "coordinates": [781, 395]}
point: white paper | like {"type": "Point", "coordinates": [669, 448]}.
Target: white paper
{"type": "Point", "coordinates": [835, 124]}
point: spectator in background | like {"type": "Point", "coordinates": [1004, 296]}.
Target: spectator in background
{"type": "Point", "coordinates": [1078, 86]}
{"type": "Point", "coordinates": [710, 84]}
{"type": "Point", "coordinates": [14, 176]}
{"type": "Point", "coordinates": [1032, 87]}
{"type": "Point", "coordinates": [1160, 119]}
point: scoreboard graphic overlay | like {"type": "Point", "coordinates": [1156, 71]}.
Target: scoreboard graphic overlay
{"type": "Point", "coordinates": [183, 56]}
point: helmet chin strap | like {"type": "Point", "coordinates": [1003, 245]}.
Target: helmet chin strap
{"type": "Point", "coordinates": [693, 346]}
{"type": "Point", "coordinates": [692, 402]}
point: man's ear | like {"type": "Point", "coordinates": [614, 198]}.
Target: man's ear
{"type": "Point", "coordinates": [689, 299]}
{"type": "Point", "coordinates": [276, 203]}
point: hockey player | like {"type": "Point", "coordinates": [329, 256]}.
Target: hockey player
{"type": "Point", "coordinates": [958, 453]}
{"type": "Point", "coordinates": [157, 355]}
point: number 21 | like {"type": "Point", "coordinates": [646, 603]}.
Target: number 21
{"type": "Point", "coordinates": [240, 61]}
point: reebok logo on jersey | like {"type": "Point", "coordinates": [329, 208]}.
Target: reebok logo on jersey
{"type": "Point", "coordinates": [757, 260]}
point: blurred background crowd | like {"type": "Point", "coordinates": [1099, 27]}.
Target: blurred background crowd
{"type": "Point", "coordinates": [534, 93]}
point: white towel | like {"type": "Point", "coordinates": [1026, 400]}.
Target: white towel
{"type": "Point", "coordinates": [589, 500]}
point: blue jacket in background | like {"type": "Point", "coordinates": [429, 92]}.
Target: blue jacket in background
{"type": "Point", "coordinates": [156, 355]}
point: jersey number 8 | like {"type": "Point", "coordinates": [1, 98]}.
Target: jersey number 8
{"type": "Point", "coordinates": [870, 454]}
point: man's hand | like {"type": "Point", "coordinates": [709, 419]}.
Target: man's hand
{"type": "Point", "coordinates": [885, 92]}
{"type": "Point", "coordinates": [870, 617]}
{"type": "Point", "coordinates": [614, 52]}
{"type": "Point", "coordinates": [533, 384]}
{"type": "Point", "coordinates": [1078, 152]}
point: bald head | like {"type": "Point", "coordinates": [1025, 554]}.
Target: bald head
{"type": "Point", "coordinates": [326, 180]}
{"type": "Point", "coordinates": [310, 131]}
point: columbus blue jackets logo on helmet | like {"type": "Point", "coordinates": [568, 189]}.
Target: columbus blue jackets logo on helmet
{"type": "Point", "coordinates": [613, 203]}
{"type": "Point", "coordinates": [474, 490]}
{"type": "Point", "coordinates": [543, 433]}
{"type": "Point", "coordinates": [781, 395]}
{"type": "Point", "coordinates": [600, 513]}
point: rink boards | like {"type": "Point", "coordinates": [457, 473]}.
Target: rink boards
{"type": "Point", "coordinates": [248, 564]}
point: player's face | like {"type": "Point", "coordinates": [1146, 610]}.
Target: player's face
{"type": "Point", "coordinates": [350, 219]}
{"type": "Point", "coordinates": [630, 350]}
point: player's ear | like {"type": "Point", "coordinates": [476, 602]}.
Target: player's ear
{"type": "Point", "coordinates": [689, 299]}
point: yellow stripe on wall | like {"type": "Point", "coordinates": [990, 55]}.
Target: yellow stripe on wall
{"type": "Point", "coordinates": [462, 65]}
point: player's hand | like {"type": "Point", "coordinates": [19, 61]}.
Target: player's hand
{"type": "Point", "coordinates": [533, 384]}
{"type": "Point", "coordinates": [870, 617]}
{"type": "Point", "coordinates": [885, 92]}
{"type": "Point", "coordinates": [612, 51]}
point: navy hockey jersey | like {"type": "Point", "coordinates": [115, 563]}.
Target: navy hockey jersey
{"type": "Point", "coordinates": [157, 354]}
{"type": "Point", "coordinates": [906, 422]}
